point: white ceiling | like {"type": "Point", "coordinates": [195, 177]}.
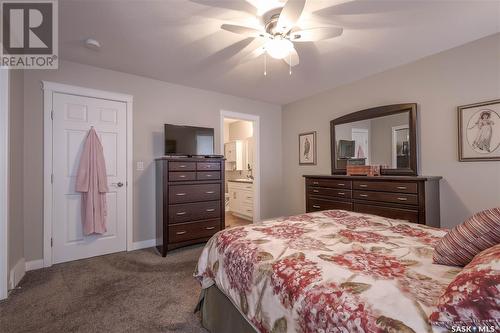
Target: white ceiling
{"type": "Point", "coordinates": [180, 41]}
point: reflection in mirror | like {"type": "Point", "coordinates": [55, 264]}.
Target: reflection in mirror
{"type": "Point", "coordinates": [376, 141]}
{"type": "Point", "coordinates": [400, 147]}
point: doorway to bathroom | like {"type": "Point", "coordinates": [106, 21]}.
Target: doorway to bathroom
{"type": "Point", "coordinates": [240, 138]}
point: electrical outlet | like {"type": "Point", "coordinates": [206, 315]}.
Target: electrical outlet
{"type": "Point", "coordinates": [140, 166]}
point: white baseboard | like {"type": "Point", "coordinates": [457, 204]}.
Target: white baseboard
{"type": "Point", "coordinates": [37, 264]}
{"type": "Point", "coordinates": [17, 273]}
{"type": "Point", "coordinates": [143, 244]}
{"type": "Point", "coordinates": [34, 264]}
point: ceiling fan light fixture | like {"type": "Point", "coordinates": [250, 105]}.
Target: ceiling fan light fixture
{"type": "Point", "coordinates": [279, 47]}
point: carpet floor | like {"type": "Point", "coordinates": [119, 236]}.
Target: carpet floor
{"type": "Point", "coordinates": [135, 291]}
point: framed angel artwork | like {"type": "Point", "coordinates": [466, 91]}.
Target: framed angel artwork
{"type": "Point", "coordinates": [479, 131]}
{"type": "Point", "coordinates": [307, 148]}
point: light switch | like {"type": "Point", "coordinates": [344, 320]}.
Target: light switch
{"type": "Point", "coordinates": [140, 166]}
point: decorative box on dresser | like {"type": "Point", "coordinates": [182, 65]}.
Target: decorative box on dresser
{"type": "Point", "coordinates": [189, 201]}
{"type": "Point", "coordinates": [412, 198]}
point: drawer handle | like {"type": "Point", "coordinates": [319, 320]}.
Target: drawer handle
{"type": "Point", "coordinates": [249, 198]}
{"type": "Point", "coordinates": [364, 195]}
{"type": "Point", "coordinates": [315, 183]}
{"type": "Point", "coordinates": [341, 184]}
{"type": "Point", "coordinates": [210, 228]}
{"type": "Point", "coordinates": [363, 185]}
{"type": "Point", "coordinates": [209, 175]}
{"type": "Point", "coordinates": [316, 191]}
{"type": "Point", "coordinates": [210, 210]}
{"type": "Point", "coordinates": [402, 188]}
{"type": "Point", "coordinates": [181, 232]}
{"type": "Point", "coordinates": [180, 194]}
{"type": "Point", "coordinates": [341, 193]}
{"type": "Point", "coordinates": [181, 213]}
{"type": "Point", "coordinates": [316, 206]}
{"type": "Point", "coordinates": [182, 166]}
{"type": "Point", "coordinates": [209, 192]}
{"type": "Point", "coordinates": [182, 176]}
{"type": "Point", "coordinates": [249, 210]}
{"type": "Point", "coordinates": [402, 199]}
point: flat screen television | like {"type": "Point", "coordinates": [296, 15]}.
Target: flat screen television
{"type": "Point", "coordinates": [189, 140]}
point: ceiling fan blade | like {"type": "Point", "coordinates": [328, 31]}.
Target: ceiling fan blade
{"type": "Point", "coordinates": [290, 14]}
{"type": "Point", "coordinates": [242, 30]}
{"type": "Point", "coordinates": [315, 34]}
{"type": "Point", "coordinates": [292, 59]}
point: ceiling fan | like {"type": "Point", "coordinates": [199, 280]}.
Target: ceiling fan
{"type": "Point", "coordinates": [280, 32]}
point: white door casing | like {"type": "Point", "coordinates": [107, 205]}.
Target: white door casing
{"type": "Point", "coordinates": [75, 110]}
{"type": "Point", "coordinates": [4, 180]}
{"type": "Point", "coordinates": [394, 143]}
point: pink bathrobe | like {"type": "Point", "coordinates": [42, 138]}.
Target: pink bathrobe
{"type": "Point", "coordinates": [92, 182]}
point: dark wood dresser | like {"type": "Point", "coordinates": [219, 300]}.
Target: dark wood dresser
{"type": "Point", "coordinates": [189, 201]}
{"type": "Point", "coordinates": [412, 198]}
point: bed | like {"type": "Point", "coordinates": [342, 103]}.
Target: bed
{"type": "Point", "coordinates": [329, 271]}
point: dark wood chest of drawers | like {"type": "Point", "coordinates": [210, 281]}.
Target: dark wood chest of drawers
{"type": "Point", "coordinates": [189, 201]}
{"type": "Point", "coordinates": [412, 198]}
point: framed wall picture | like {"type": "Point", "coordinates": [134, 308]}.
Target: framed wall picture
{"type": "Point", "coordinates": [479, 131]}
{"type": "Point", "coordinates": [307, 148]}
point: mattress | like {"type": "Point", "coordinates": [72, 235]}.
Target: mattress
{"type": "Point", "coordinates": [330, 271]}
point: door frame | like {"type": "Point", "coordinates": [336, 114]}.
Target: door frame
{"type": "Point", "coordinates": [49, 88]}
{"type": "Point", "coordinates": [4, 181]}
{"type": "Point", "coordinates": [394, 142]}
{"type": "Point", "coordinates": [256, 133]}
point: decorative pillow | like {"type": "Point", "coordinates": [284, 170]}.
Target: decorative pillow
{"type": "Point", "coordinates": [463, 242]}
{"type": "Point", "coordinates": [473, 297]}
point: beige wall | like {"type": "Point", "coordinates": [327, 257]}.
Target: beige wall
{"type": "Point", "coordinates": [439, 83]}
{"type": "Point", "coordinates": [155, 103]}
{"type": "Point", "coordinates": [16, 133]}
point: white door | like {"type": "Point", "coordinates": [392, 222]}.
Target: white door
{"type": "Point", "coordinates": [361, 146]}
{"type": "Point", "coordinates": [73, 118]}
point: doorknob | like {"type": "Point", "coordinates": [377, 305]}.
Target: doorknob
{"type": "Point", "coordinates": [119, 184]}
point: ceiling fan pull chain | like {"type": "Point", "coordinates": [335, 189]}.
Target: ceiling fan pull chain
{"type": "Point", "coordinates": [265, 64]}
{"type": "Point", "coordinates": [290, 63]}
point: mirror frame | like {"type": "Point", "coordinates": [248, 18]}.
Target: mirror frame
{"type": "Point", "coordinates": [377, 112]}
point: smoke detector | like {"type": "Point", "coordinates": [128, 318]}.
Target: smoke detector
{"type": "Point", "coordinates": [92, 44]}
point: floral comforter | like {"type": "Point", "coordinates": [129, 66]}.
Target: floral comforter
{"type": "Point", "coordinates": [330, 271]}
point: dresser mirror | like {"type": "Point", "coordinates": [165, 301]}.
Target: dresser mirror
{"type": "Point", "coordinates": [384, 135]}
